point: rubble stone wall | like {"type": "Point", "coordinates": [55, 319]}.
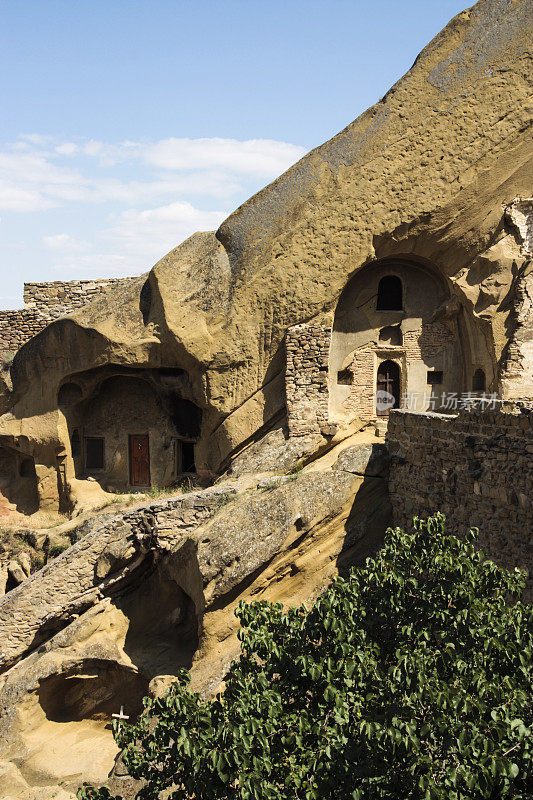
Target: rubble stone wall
{"type": "Point", "coordinates": [306, 383]}
{"type": "Point", "coordinates": [475, 467]}
{"type": "Point", "coordinates": [45, 302]}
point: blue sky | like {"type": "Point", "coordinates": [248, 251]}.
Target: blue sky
{"type": "Point", "coordinates": [126, 125]}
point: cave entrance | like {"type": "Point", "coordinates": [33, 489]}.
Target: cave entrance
{"type": "Point", "coordinates": [92, 690]}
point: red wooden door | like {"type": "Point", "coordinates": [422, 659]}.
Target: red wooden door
{"type": "Point", "coordinates": [139, 460]}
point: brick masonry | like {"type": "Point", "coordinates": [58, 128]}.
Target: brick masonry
{"type": "Point", "coordinates": [475, 467]}
{"type": "Point", "coordinates": [44, 303]}
{"type": "Point", "coordinates": [306, 378]}
{"type": "Point", "coordinates": [422, 344]}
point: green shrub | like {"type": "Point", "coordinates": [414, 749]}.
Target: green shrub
{"type": "Point", "coordinates": [409, 679]}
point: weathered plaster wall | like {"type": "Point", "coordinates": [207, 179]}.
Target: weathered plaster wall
{"type": "Point", "coordinates": [432, 326]}
{"type": "Point", "coordinates": [477, 468]}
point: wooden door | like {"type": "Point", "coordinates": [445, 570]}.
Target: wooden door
{"type": "Point", "coordinates": [139, 460]}
{"type": "Point", "coordinates": [388, 381]}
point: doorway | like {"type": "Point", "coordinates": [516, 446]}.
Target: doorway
{"type": "Point", "coordinates": [139, 460]}
{"type": "Point", "coordinates": [387, 388]}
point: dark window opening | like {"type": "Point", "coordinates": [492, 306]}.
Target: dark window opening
{"type": "Point", "coordinates": [185, 415]}
{"type": "Point", "coordinates": [392, 335]}
{"type": "Point", "coordinates": [75, 444]}
{"type": "Point", "coordinates": [479, 381]}
{"type": "Point", "coordinates": [27, 468]}
{"type": "Point", "coordinates": [390, 294]}
{"type": "Point", "coordinates": [345, 377]}
{"type": "Point", "coordinates": [435, 377]}
{"type": "Point", "coordinates": [185, 457]}
{"type": "Point", "coordinates": [94, 452]}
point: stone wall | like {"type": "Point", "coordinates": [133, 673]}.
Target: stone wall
{"type": "Point", "coordinates": [45, 302]}
{"type": "Point", "coordinates": [425, 345]}
{"type": "Point", "coordinates": [307, 349]}
{"type": "Point", "coordinates": [475, 467]}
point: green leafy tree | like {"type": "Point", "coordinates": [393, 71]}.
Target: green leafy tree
{"type": "Point", "coordinates": [409, 679]}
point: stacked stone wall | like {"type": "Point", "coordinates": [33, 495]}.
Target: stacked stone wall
{"type": "Point", "coordinates": [44, 303]}
{"type": "Point", "coordinates": [475, 467]}
{"type": "Point", "coordinates": [306, 378]}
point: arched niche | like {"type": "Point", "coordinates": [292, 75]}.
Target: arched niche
{"type": "Point", "coordinates": [18, 480]}
{"type": "Point", "coordinates": [124, 433]}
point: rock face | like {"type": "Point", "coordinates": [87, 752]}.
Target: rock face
{"type": "Point", "coordinates": [152, 590]}
{"type": "Point", "coordinates": [392, 260]}
{"type": "Point", "coordinates": [418, 185]}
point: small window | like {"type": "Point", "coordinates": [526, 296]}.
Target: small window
{"type": "Point", "coordinates": [435, 377]}
{"type": "Point", "coordinates": [94, 452]}
{"type": "Point", "coordinates": [184, 457]}
{"type": "Point", "coordinates": [390, 294]}
{"type": "Point", "coordinates": [75, 444]}
{"type": "Point", "coordinates": [479, 381]}
{"type": "Point", "coordinates": [345, 377]}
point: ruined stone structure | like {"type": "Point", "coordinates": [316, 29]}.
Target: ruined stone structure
{"type": "Point", "coordinates": [391, 263]}
{"type": "Point", "coordinates": [44, 302]}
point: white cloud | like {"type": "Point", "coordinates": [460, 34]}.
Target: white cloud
{"type": "Point", "coordinates": [135, 200]}
{"type": "Point", "coordinates": [155, 231]}
{"type": "Point", "coordinates": [254, 157]}
{"type": "Point", "coordinates": [63, 241]}
{"type": "Point", "coordinates": [96, 264]}
{"type": "Point", "coordinates": [38, 174]}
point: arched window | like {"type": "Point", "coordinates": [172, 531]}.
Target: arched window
{"type": "Point", "coordinates": [390, 294]}
{"type": "Point", "coordinates": [479, 381]}
{"type": "Point", "coordinates": [392, 335]}
{"type": "Point", "coordinates": [69, 394]}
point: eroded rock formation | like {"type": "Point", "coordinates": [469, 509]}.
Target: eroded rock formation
{"type": "Point", "coordinates": [152, 590]}
{"type": "Point", "coordinates": [393, 259]}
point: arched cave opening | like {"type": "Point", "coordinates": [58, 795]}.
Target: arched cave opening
{"type": "Point", "coordinates": [27, 468]}
{"type": "Point", "coordinates": [18, 480]}
{"type": "Point", "coordinates": [92, 690]}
